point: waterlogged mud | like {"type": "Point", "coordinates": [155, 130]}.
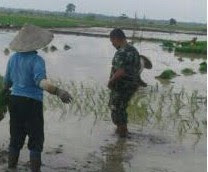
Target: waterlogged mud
{"type": "Point", "coordinates": [167, 135]}
{"type": "Point", "coordinates": [78, 145]}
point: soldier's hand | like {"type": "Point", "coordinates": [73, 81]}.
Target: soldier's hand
{"type": "Point", "coordinates": [64, 95]}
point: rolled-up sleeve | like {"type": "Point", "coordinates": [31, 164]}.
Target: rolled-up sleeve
{"type": "Point", "coordinates": [39, 70]}
{"type": "Point", "coordinates": [7, 77]}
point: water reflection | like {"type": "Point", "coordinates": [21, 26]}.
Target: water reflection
{"type": "Point", "coordinates": [117, 156]}
{"type": "Point", "coordinates": [190, 56]}
{"type": "Point", "coordinates": [114, 156]}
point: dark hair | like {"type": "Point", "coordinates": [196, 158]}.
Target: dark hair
{"type": "Point", "coordinates": [117, 33]}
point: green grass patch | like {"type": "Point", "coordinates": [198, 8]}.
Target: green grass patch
{"type": "Point", "coordinates": [45, 21]}
{"type": "Point", "coordinates": [55, 20]}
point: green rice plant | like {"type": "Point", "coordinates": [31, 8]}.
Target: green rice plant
{"type": "Point", "coordinates": [167, 74]}
{"type": "Point", "coordinates": [187, 71]}
{"type": "Point", "coordinates": [53, 48]}
{"type": "Point", "coordinates": [203, 67]}
{"type": "Point", "coordinates": [1, 82]}
{"type": "Point", "coordinates": [6, 51]}
{"type": "Point", "coordinates": [137, 111]}
{"type": "Point", "coordinates": [67, 47]}
{"type": "Point", "coordinates": [4, 100]}
{"type": "Point", "coordinates": [169, 44]}
{"type": "Point", "coordinates": [153, 107]}
{"type": "Point", "coordinates": [45, 49]}
{"type": "Point", "coordinates": [199, 47]}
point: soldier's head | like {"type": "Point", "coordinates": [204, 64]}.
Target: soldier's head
{"type": "Point", "coordinates": [117, 37]}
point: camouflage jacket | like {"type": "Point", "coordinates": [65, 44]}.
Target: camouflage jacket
{"type": "Point", "coordinates": [127, 58]}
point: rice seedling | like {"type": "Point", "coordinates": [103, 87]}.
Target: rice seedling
{"type": "Point", "coordinates": [199, 47]}
{"type": "Point", "coordinates": [4, 100]}
{"type": "Point", "coordinates": [168, 44]}
{"type": "Point", "coordinates": [203, 67]}
{"type": "Point", "coordinates": [152, 108]}
{"type": "Point", "coordinates": [6, 51]}
{"type": "Point", "coordinates": [192, 46]}
{"type": "Point", "coordinates": [53, 48]}
{"type": "Point", "coordinates": [45, 49]}
{"type": "Point", "coordinates": [187, 71]}
{"type": "Point", "coordinates": [67, 47]}
{"type": "Point", "coordinates": [167, 74]}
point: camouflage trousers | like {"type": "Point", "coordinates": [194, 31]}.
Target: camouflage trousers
{"type": "Point", "coordinates": [118, 104]}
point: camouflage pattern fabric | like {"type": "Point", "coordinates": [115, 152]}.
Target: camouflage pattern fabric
{"type": "Point", "coordinates": [118, 104]}
{"type": "Point", "coordinates": [127, 58]}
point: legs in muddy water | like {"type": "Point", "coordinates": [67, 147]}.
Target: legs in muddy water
{"type": "Point", "coordinates": [118, 104]}
{"type": "Point", "coordinates": [13, 159]}
{"type": "Point", "coordinates": [35, 161]}
{"type": "Point", "coordinates": [119, 118]}
{"type": "Point", "coordinates": [26, 118]}
{"type": "Point", "coordinates": [122, 130]}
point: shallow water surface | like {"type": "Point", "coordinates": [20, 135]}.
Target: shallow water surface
{"type": "Point", "coordinates": [75, 142]}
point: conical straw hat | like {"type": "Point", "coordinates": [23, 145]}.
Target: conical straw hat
{"type": "Point", "coordinates": [147, 62]}
{"type": "Point", "coordinates": [31, 38]}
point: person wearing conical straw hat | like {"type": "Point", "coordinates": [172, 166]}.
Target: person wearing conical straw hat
{"type": "Point", "coordinates": [26, 75]}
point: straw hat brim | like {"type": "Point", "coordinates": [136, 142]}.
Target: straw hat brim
{"type": "Point", "coordinates": [31, 38]}
{"type": "Point", "coordinates": [147, 62]}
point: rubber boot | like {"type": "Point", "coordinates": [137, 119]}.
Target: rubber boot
{"type": "Point", "coordinates": [12, 161]}
{"type": "Point", "coordinates": [35, 164]}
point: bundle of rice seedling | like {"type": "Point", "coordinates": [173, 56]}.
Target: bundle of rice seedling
{"type": "Point", "coordinates": [167, 74]}
{"type": "Point", "coordinates": [187, 71]}
{"type": "Point", "coordinates": [203, 67]}
{"type": "Point", "coordinates": [199, 47]}
{"type": "Point", "coordinates": [4, 99]}
{"type": "Point", "coordinates": [4, 102]}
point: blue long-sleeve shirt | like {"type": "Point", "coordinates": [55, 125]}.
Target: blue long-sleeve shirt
{"type": "Point", "coordinates": [24, 72]}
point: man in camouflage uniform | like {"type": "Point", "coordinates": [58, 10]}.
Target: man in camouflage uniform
{"type": "Point", "coordinates": [124, 79]}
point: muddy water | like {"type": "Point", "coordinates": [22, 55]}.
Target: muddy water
{"type": "Point", "coordinates": [90, 58]}
{"type": "Point", "coordinates": [143, 34]}
{"type": "Point", "coordinates": [80, 145]}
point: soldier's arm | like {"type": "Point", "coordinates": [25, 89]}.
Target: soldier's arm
{"type": "Point", "coordinates": [117, 75]}
{"type": "Point", "coordinates": [119, 67]}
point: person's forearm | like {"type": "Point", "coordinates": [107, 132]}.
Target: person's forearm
{"type": "Point", "coordinates": [117, 75]}
{"type": "Point", "coordinates": [47, 86]}
{"type": "Point", "coordinates": [62, 94]}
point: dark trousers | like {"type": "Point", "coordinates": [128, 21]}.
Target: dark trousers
{"type": "Point", "coordinates": [26, 118]}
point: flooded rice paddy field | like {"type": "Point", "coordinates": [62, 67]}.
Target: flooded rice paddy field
{"type": "Point", "coordinates": [143, 34]}
{"type": "Point", "coordinates": [167, 119]}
